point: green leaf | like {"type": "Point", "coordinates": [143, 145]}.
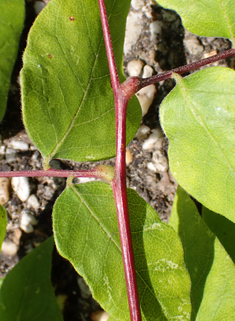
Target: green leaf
{"type": "Point", "coordinates": [208, 18]}
{"type": "Point", "coordinates": [3, 224]}
{"type": "Point", "coordinates": [26, 293]}
{"type": "Point", "coordinates": [222, 228]}
{"type": "Point", "coordinates": [86, 233]}
{"type": "Point", "coordinates": [68, 104]}
{"type": "Point", "coordinates": [211, 270]}
{"type": "Point", "coordinates": [11, 25]}
{"type": "Point", "coordinates": [198, 117]}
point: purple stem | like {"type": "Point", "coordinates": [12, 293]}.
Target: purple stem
{"type": "Point", "coordinates": [143, 82]}
{"type": "Point", "coordinates": [52, 173]}
{"type": "Point", "coordinates": [119, 181]}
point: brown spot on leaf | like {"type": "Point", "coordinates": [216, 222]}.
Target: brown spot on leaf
{"type": "Point", "coordinates": [71, 18]}
{"type": "Point", "coordinates": [50, 56]}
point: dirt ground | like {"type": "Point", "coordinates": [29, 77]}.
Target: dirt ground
{"type": "Point", "coordinates": [162, 44]}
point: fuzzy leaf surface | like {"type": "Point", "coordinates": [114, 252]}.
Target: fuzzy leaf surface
{"type": "Point", "coordinates": [86, 233]}
{"type": "Point", "coordinates": [208, 18]}
{"type": "Point", "coordinates": [3, 224]}
{"type": "Point", "coordinates": [211, 269]}
{"type": "Point", "coordinates": [68, 104]}
{"type": "Point", "coordinates": [198, 117]}
{"type": "Point", "coordinates": [11, 25]}
{"type": "Point", "coordinates": [26, 292]}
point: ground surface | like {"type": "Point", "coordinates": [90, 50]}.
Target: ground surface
{"type": "Point", "coordinates": [155, 37]}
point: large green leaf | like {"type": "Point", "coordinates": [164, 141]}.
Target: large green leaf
{"type": "Point", "coordinates": [198, 117]}
{"type": "Point", "coordinates": [86, 233]}
{"type": "Point", "coordinates": [209, 18]}
{"type": "Point", "coordinates": [11, 25]}
{"type": "Point", "coordinates": [3, 224]}
{"type": "Point", "coordinates": [26, 292]}
{"type": "Point", "coordinates": [68, 105]}
{"type": "Point", "coordinates": [211, 269]}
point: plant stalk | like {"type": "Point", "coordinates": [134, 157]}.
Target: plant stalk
{"type": "Point", "coordinates": [119, 181]}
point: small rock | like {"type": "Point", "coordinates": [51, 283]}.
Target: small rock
{"type": "Point", "coordinates": [17, 144]}
{"type": "Point", "coordinates": [133, 30]}
{"type": "Point", "coordinates": [160, 161]}
{"type": "Point", "coordinates": [10, 154]}
{"type": "Point", "coordinates": [38, 6]}
{"type": "Point", "coordinates": [27, 221]}
{"type": "Point", "coordinates": [193, 46]}
{"type": "Point", "coordinates": [145, 97]}
{"type": "Point", "coordinates": [99, 316]}
{"type": "Point", "coordinates": [148, 71]}
{"type": "Point", "coordinates": [137, 4]}
{"type": "Point", "coordinates": [134, 67]}
{"type": "Point", "coordinates": [16, 236]}
{"type": "Point", "coordinates": [85, 291]}
{"type": "Point", "coordinates": [155, 29]}
{"type": "Point", "coordinates": [143, 132]}
{"type": "Point", "coordinates": [4, 190]}
{"type": "Point", "coordinates": [129, 157]}
{"type": "Point", "coordinates": [149, 144]}
{"type": "Point", "coordinates": [33, 202]}
{"type": "Point", "coordinates": [9, 248]}
{"type": "Point", "coordinates": [20, 186]}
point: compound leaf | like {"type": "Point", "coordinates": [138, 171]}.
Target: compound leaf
{"type": "Point", "coordinates": [68, 105]}
{"type": "Point", "coordinates": [26, 292]}
{"type": "Point", "coordinates": [86, 233]}
{"type": "Point", "coordinates": [208, 18]}
{"type": "Point", "coordinates": [198, 117]}
{"type": "Point", "coordinates": [11, 25]}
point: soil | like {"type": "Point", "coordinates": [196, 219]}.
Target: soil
{"type": "Point", "coordinates": [170, 47]}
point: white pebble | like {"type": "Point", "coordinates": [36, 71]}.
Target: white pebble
{"type": "Point", "coordinates": [152, 140]}
{"type": "Point", "coordinates": [193, 45]}
{"type": "Point", "coordinates": [20, 186]}
{"type": "Point", "coordinates": [85, 291]}
{"type": "Point", "coordinates": [4, 190]}
{"type": "Point", "coordinates": [145, 97]}
{"type": "Point", "coordinates": [160, 161]}
{"type": "Point", "coordinates": [33, 202]}
{"type": "Point", "coordinates": [10, 154]}
{"type": "Point", "coordinates": [151, 167]}
{"type": "Point", "coordinates": [17, 144]}
{"type": "Point", "coordinates": [9, 248]}
{"type": "Point", "coordinates": [143, 132]}
{"type": "Point", "coordinates": [155, 29]}
{"type": "Point", "coordinates": [27, 221]}
{"type": "Point", "coordinates": [38, 6]}
{"type": "Point", "coordinates": [134, 67]}
{"type": "Point", "coordinates": [133, 30]}
{"type": "Point", "coordinates": [148, 71]}
{"type": "Point", "coordinates": [137, 4]}
{"type": "Point", "coordinates": [129, 157]}
{"type": "Point", "coordinates": [100, 316]}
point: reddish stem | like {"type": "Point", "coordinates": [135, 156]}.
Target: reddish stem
{"type": "Point", "coordinates": [121, 96]}
{"type": "Point", "coordinates": [143, 82]}
{"type": "Point", "coordinates": [93, 173]}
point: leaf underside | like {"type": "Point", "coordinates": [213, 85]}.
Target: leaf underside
{"type": "Point", "coordinates": [68, 105]}
{"type": "Point", "coordinates": [211, 270]}
{"type": "Point", "coordinates": [26, 292]}
{"type": "Point", "coordinates": [86, 233]}
{"type": "Point", "coordinates": [207, 18]}
{"type": "Point", "coordinates": [200, 126]}
{"type": "Point", "coordinates": [11, 25]}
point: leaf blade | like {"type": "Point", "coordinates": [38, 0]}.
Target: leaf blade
{"type": "Point", "coordinates": [11, 25]}
{"type": "Point", "coordinates": [207, 18]}
{"type": "Point", "coordinates": [66, 84]}
{"type": "Point", "coordinates": [90, 223]}
{"type": "Point", "coordinates": [200, 128]}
